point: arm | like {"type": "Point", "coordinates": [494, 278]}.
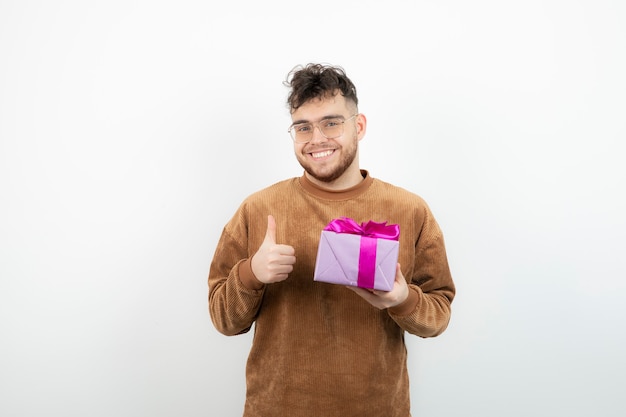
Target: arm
{"type": "Point", "coordinates": [426, 311]}
{"type": "Point", "coordinates": [237, 281]}
{"type": "Point", "coordinates": [234, 299]}
{"type": "Point", "coordinates": [419, 305]}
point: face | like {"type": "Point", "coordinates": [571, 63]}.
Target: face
{"type": "Point", "coordinates": [332, 163]}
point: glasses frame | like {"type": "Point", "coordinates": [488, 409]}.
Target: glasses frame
{"type": "Point", "coordinates": [316, 124]}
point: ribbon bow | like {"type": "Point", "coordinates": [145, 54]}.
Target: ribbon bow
{"type": "Point", "coordinates": [370, 228]}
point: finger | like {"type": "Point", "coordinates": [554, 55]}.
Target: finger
{"type": "Point", "coordinates": [271, 229]}
{"type": "Point", "coordinates": [285, 250]}
{"type": "Point", "coordinates": [365, 293]}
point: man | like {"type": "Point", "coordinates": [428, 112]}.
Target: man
{"type": "Point", "coordinates": [322, 349]}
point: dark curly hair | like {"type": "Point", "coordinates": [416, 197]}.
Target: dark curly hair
{"type": "Point", "coordinates": [318, 81]}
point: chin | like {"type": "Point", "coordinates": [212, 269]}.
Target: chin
{"type": "Point", "coordinates": [328, 173]}
{"type": "Point", "coordinates": [327, 177]}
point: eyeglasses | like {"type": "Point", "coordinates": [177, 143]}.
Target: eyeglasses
{"type": "Point", "coordinates": [329, 128]}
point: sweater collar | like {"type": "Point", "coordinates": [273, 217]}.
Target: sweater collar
{"type": "Point", "coordinates": [346, 194]}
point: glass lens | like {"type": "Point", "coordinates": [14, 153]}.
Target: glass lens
{"type": "Point", "coordinates": [302, 132]}
{"type": "Point", "coordinates": [331, 128]}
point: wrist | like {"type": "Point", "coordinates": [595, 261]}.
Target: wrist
{"type": "Point", "coordinates": [247, 277]}
{"type": "Point", "coordinates": [407, 306]}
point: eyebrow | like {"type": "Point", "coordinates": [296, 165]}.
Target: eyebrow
{"type": "Point", "coordinates": [330, 116]}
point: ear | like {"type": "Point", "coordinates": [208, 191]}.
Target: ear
{"type": "Point", "coordinates": [361, 125]}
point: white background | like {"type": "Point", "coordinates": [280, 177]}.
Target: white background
{"type": "Point", "coordinates": [131, 130]}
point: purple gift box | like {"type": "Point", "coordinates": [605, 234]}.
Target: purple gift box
{"type": "Point", "coordinates": [362, 255]}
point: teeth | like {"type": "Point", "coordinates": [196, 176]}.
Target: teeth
{"type": "Point", "coordinates": [322, 154]}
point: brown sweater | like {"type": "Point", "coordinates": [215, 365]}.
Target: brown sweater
{"type": "Point", "coordinates": [319, 349]}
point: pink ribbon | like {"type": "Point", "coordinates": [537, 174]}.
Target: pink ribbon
{"type": "Point", "coordinates": [369, 231]}
{"type": "Point", "coordinates": [370, 228]}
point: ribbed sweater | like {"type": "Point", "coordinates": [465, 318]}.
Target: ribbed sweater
{"type": "Point", "coordinates": [319, 349]}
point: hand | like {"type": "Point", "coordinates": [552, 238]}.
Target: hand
{"type": "Point", "coordinates": [272, 262]}
{"type": "Point", "coordinates": [385, 299]}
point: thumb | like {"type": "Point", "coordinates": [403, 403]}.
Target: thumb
{"type": "Point", "coordinates": [271, 229]}
{"type": "Point", "coordinates": [399, 275]}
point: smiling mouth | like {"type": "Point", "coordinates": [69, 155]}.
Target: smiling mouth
{"type": "Point", "coordinates": [322, 154]}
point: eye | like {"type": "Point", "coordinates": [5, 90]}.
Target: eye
{"type": "Point", "coordinates": [304, 128]}
{"type": "Point", "coordinates": [332, 122]}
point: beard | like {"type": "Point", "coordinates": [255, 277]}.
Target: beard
{"type": "Point", "coordinates": [329, 174]}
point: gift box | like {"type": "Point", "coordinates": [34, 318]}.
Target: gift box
{"type": "Point", "coordinates": [360, 255]}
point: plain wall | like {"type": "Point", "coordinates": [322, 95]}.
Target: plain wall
{"type": "Point", "coordinates": [130, 131]}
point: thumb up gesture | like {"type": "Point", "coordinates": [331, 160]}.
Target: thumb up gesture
{"type": "Point", "coordinates": [272, 262]}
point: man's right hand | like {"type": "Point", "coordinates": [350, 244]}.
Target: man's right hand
{"type": "Point", "coordinates": [272, 262]}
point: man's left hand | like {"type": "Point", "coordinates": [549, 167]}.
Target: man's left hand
{"type": "Point", "coordinates": [385, 299]}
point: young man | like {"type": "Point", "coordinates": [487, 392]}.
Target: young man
{"type": "Point", "coordinates": [324, 349]}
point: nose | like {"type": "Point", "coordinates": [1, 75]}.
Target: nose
{"type": "Point", "coordinates": [318, 136]}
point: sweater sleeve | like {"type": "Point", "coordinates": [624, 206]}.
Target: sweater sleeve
{"type": "Point", "coordinates": [233, 302]}
{"type": "Point", "coordinates": [426, 312]}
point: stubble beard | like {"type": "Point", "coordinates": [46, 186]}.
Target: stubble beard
{"type": "Point", "coordinates": [330, 176]}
